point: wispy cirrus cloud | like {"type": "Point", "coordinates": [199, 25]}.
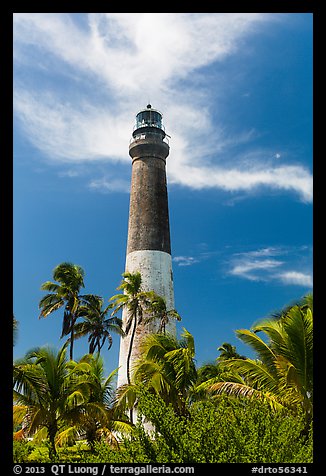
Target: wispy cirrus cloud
{"type": "Point", "coordinates": [296, 278]}
{"type": "Point", "coordinates": [254, 269]}
{"type": "Point", "coordinates": [283, 265]}
{"type": "Point", "coordinates": [110, 184]}
{"type": "Point", "coordinates": [262, 265]}
{"type": "Point", "coordinates": [94, 75]}
{"type": "Point", "coordinates": [185, 260]}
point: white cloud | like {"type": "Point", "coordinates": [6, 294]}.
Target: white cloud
{"type": "Point", "coordinates": [291, 178]}
{"type": "Point", "coordinates": [185, 260]}
{"type": "Point", "coordinates": [123, 60]}
{"type": "Point", "coordinates": [133, 52]}
{"type": "Point", "coordinates": [259, 265]}
{"type": "Point", "coordinates": [248, 268]}
{"type": "Point", "coordinates": [296, 278]}
{"type": "Point", "coordinates": [69, 134]}
{"type": "Point", "coordinates": [269, 251]}
{"type": "Point", "coordinates": [107, 185]}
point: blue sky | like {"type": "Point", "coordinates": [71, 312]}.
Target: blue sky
{"type": "Point", "coordinates": [235, 91]}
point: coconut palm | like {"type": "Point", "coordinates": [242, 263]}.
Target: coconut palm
{"type": "Point", "coordinates": [135, 301]}
{"type": "Point", "coordinates": [64, 293]}
{"type": "Point", "coordinates": [228, 351]}
{"type": "Point", "coordinates": [218, 371]}
{"type": "Point", "coordinates": [166, 367]}
{"type": "Point", "coordinates": [95, 323]}
{"type": "Point", "coordinates": [159, 312]}
{"type": "Point", "coordinates": [100, 418]}
{"type": "Point", "coordinates": [282, 374]}
{"type": "Point", "coordinates": [49, 393]}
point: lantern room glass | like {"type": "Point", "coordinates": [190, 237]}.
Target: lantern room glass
{"type": "Point", "coordinates": [149, 118]}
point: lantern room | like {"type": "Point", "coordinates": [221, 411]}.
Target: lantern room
{"type": "Point", "coordinates": [149, 120]}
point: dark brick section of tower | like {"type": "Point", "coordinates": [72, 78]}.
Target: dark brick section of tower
{"type": "Point", "coordinates": [149, 215]}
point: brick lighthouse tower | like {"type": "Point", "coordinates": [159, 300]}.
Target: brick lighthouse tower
{"type": "Point", "coordinates": [148, 247]}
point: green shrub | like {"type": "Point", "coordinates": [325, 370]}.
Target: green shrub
{"type": "Point", "coordinates": [40, 454]}
{"type": "Point", "coordinates": [22, 450]}
{"type": "Point", "coordinates": [231, 431]}
{"type": "Point", "coordinates": [31, 452]}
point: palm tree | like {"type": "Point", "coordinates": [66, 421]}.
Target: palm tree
{"type": "Point", "coordinates": [65, 294]}
{"type": "Point", "coordinates": [282, 374]}
{"type": "Point", "coordinates": [101, 418]}
{"type": "Point", "coordinates": [228, 351]}
{"type": "Point", "coordinates": [167, 367]}
{"type": "Point", "coordinates": [218, 371]}
{"type": "Point", "coordinates": [49, 393]}
{"type": "Point", "coordinates": [135, 301]}
{"type": "Point", "coordinates": [95, 323]}
{"type": "Point", "coordinates": [159, 311]}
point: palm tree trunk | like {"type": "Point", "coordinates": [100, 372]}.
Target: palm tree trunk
{"type": "Point", "coordinates": [130, 349]}
{"type": "Point", "coordinates": [71, 343]}
{"type": "Point", "coordinates": [73, 322]}
{"type": "Point", "coordinates": [128, 360]}
{"type": "Point", "coordinates": [52, 431]}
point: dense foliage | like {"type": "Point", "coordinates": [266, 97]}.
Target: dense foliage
{"type": "Point", "coordinates": [62, 401]}
{"type": "Point", "coordinates": [283, 372]}
{"type": "Point", "coordinates": [231, 431]}
{"type": "Point", "coordinates": [234, 409]}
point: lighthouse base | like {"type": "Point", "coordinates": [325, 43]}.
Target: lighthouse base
{"type": "Point", "coordinates": [155, 268]}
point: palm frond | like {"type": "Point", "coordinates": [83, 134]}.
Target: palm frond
{"type": "Point", "coordinates": [299, 329]}
{"type": "Point", "coordinates": [189, 340]}
{"type": "Point", "coordinates": [256, 373]}
{"type": "Point", "coordinates": [66, 435]}
{"type": "Point", "coordinates": [29, 385]}
{"type": "Point", "coordinates": [153, 374]}
{"type": "Point", "coordinates": [70, 274]}
{"type": "Point", "coordinates": [40, 435]}
{"type": "Point", "coordinates": [174, 314]}
{"type": "Point", "coordinates": [126, 396]}
{"type": "Point", "coordinates": [241, 390]}
{"type": "Point", "coordinates": [49, 304]}
{"type": "Point", "coordinates": [131, 283]}
{"type": "Point", "coordinates": [121, 427]}
{"type": "Point", "coordinates": [108, 383]}
{"type": "Point", "coordinates": [262, 349]}
{"type": "Point", "coordinates": [155, 346]}
{"type": "Point", "coordinates": [19, 413]}
{"type": "Point", "coordinates": [51, 287]}
{"type": "Point", "coordinates": [66, 323]}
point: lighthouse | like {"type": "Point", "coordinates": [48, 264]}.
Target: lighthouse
{"type": "Point", "coordinates": [148, 245]}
